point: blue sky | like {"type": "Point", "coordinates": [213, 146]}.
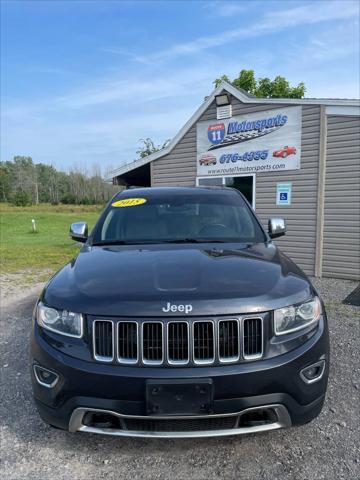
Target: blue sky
{"type": "Point", "coordinates": [83, 81]}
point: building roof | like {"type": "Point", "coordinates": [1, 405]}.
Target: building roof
{"type": "Point", "coordinates": [243, 97]}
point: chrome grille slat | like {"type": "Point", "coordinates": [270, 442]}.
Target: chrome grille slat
{"type": "Point", "coordinates": [178, 342]}
{"type": "Point", "coordinates": [252, 338]}
{"type": "Point", "coordinates": [152, 343]}
{"type": "Point", "coordinates": [228, 340]}
{"type": "Point", "coordinates": [103, 340]}
{"type": "Point", "coordinates": [203, 342]}
{"type": "Point", "coordinates": [127, 338]}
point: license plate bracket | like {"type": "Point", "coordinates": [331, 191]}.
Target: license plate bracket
{"type": "Point", "coordinates": [182, 397]}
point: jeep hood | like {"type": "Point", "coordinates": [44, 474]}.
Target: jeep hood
{"type": "Point", "coordinates": [215, 279]}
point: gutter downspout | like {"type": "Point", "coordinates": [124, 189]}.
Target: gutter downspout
{"type": "Point", "coordinates": [321, 193]}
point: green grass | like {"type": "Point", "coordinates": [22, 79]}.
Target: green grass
{"type": "Point", "coordinates": [50, 247]}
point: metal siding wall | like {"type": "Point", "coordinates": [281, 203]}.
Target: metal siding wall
{"type": "Point", "coordinates": [300, 240]}
{"type": "Point", "coordinates": [178, 168]}
{"type": "Point", "coordinates": [341, 251]}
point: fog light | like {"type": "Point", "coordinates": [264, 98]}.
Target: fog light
{"type": "Point", "coordinates": [45, 377]}
{"type": "Point", "coordinates": [313, 373]}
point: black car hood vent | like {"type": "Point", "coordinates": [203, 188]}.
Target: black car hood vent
{"type": "Point", "coordinates": [170, 275]}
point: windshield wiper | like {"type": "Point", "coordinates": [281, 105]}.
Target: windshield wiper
{"type": "Point", "coordinates": [193, 240]}
{"type": "Point", "coordinates": [109, 242]}
{"type": "Point", "coordinates": [121, 242]}
{"type": "Point", "coordinates": [161, 240]}
{"type": "Point", "coordinates": [105, 243]}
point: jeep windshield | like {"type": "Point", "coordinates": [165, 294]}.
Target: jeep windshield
{"type": "Point", "coordinates": [164, 217]}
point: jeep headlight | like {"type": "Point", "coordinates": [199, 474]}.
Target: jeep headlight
{"type": "Point", "coordinates": [60, 321]}
{"type": "Point", "coordinates": [294, 318]}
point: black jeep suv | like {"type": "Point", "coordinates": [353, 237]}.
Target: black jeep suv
{"type": "Point", "coordinates": [179, 317]}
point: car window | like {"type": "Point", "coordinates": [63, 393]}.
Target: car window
{"type": "Point", "coordinates": [218, 217]}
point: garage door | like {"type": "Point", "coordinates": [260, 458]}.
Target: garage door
{"type": "Point", "coordinates": [341, 250]}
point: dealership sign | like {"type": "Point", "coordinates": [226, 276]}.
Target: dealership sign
{"type": "Point", "coordinates": [258, 142]}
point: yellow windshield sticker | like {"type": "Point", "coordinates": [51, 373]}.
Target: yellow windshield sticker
{"type": "Point", "coordinates": [129, 202]}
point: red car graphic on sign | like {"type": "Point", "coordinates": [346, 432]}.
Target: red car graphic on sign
{"type": "Point", "coordinates": [208, 159]}
{"type": "Point", "coordinates": [284, 152]}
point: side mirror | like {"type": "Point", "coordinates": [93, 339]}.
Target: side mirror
{"type": "Point", "coordinates": [276, 227]}
{"type": "Point", "coordinates": [79, 231]}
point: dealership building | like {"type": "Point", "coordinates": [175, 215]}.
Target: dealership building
{"type": "Point", "coordinates": [297, 159]}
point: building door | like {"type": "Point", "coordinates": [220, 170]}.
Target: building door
{"type": "Point", "coordinates": [244, 183]}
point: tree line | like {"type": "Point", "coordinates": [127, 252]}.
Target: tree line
{"type": "Point", "coordinates": [22, 182]}
{"type": "Point", "coordinates": [264, 87]}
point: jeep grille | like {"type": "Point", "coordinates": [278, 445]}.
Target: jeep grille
{"type": "Point", "coordinates": [178, 342]}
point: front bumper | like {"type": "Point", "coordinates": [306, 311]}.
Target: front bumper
{"type": "Point", "coordinates": [273, 386]}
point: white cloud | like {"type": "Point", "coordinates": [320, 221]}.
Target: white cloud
{"type": "Point", "coordinates": [226, 9]}
{"type": "Point", "coordinates": [271, 22]}
{"type": "Point", "coordinates": [327, 61]}
{"type": "Point", "coordinates": [131, 90]}
{"type": "Point", "coordinates": [138, 89]}
{"type": "Point", "coordinates": [124, 52]}
{"type": "Point", "coordinates": [325, 89]}
{"type": "Point", "coordinates": [328, 46]}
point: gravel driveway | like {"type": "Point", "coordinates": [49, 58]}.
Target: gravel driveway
{"type": "Point", "coordinates": [327, 448]}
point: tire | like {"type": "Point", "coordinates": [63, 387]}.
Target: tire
{"type": "Point", "coordinates": [284, 155]}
